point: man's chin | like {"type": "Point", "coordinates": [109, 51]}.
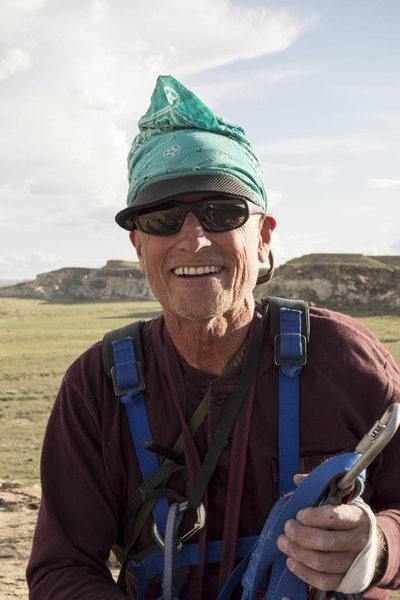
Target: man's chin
{"type": "Point", "coordinates": [200, 317]}
{"type": "Point", "coordinates": [198, 311]}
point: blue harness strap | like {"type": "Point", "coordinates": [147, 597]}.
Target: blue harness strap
{"type": "Point", "coordinates": [129, 384]}
{"type": "Point", "coordinates": [290, 356]}
{"type": "Point", "coordinates": [252, 570]}
{"type": "Point", "coordinates": [152, 566]}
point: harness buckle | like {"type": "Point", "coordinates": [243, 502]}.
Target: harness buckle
{"type": "Point", "coordinates": [140, 385]}
{"type": "Point", "coordinates": [199, 524]}
{"type": "Point", "coordinates": [300, 362]}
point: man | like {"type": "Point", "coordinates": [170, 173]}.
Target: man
{"type": "Point", "coordinates": [197, 219]}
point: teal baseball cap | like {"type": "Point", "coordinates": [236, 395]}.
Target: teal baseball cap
{"type": "Point", "coordinates": [183, 147]}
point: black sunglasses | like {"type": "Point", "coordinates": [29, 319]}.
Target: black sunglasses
{"type": "Point", "coordinates": [214, 214]}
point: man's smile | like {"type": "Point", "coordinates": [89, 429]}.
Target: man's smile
{"type": "Point", "coordinates": [203, 270]}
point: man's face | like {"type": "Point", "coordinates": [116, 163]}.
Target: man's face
{"type": "Point", "coordinates": [198, 275]}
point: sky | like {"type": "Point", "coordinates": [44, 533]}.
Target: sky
{"type": "Point", "coordinates": [314, 83]}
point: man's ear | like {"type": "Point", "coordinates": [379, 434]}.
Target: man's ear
{"type": "Point", "coordinates": [136, 242]}
{"type": "Point", "coordinates": [267, 225]}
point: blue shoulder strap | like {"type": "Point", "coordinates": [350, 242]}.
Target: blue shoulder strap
{"type": "Point", "coordinates": [127, 376]}
{"type": "Point", "coordinates": [290, 356]}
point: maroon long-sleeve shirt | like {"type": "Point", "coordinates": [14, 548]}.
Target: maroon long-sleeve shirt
{"type": "Point", "coordinates": [89, 467]}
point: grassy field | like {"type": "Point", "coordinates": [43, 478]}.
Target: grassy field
{"type": "Point", "coordinates": [37, 343]}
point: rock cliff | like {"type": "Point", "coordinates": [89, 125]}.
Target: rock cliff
{"type": "Point", "coordinates": [117, 280]}
{"type": "Point", "coordinates": [344, 282]}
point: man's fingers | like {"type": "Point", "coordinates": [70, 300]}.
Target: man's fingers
{"type": "Point", "coordinates": [321, 581]}
{"type": "Point", "coordinates": [317, 560]}
{"type": "Point", "coordinates": [322, 543]}
{"type": "Point", "coordinates": [343, 517]}
{"type": "Point", "coordinates": [325, 540]}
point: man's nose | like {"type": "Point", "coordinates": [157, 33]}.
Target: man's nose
{"type": "Point", "coordinates": [191, 236]}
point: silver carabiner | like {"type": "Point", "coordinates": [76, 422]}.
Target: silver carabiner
{"type": "Point", "coordinates": [371, 444]}
{"type": "Point", "coordinates": [199, 524]}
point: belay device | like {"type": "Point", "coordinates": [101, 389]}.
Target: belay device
{"type": "Point", "coordinates": [288, 327]}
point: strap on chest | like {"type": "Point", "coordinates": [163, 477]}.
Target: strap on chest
{"type": "Point", "coordinates": [289, 331]}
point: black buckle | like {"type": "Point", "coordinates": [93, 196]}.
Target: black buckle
{"type": "Point", "coordinates": [300, 362]}
{"type": "Point", "coordinates": [140, 387]}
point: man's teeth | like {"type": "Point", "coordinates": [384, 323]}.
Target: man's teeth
{"type": "Point", "coordinates": [196, 270]}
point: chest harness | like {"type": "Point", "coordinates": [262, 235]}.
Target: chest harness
{"type": "Point", "coordinates": [261, 570]}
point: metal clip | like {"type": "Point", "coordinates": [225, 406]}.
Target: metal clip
{"type": "Point", "coordinates": [199, 524]}
{"type": "Point", "coordinates": [371, 444]}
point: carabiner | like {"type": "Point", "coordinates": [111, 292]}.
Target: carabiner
{"type": "Point", "coordinates": [372, 443]}
{"type": "Point", "coordinates": [199, 524]}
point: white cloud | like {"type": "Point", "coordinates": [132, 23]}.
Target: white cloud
{"type": "Point", "coordinates": [24, 6]}
{"type": "Point", "coordinates": [14, 266]}
{"type": "Point", "coordinates": [14, 61]}
{"type": "Point", "coordinates": [359, 209]}
{"type": "Point", "coordinates": [383, 184]}
{"type": "Point", "coordinates": [274, 197]}
{"type": "Point", "coordinates": [324, 173]}
{"type": "Point", "coordinates": [257, 83]}
{"type": "Point", "coordinates": [352, 144]}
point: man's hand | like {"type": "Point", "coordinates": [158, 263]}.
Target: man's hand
{"type": "Point", "coordinates": [322, 543]}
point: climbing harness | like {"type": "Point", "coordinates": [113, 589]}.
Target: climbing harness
{"type": "Point", "coordinates": [171, 558]}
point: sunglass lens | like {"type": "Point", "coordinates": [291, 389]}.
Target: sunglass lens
{"type": "Point", "coordinates": [223, 215]}
{"type": "Point", "coordinates": [161, 222]}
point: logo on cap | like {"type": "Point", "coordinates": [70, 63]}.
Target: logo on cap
{"type": "Point", "coordinates": [171, 151]}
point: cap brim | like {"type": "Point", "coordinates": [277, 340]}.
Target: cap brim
{"type": "Point", "coordinates": [160, 191]}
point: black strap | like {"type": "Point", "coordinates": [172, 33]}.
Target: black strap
{"type": "Point", "coordinates": [224, 428]}
{"type": "Point", "coordinates": [274, 305]}
{"type": "Point", "coordinates": [146, 491]}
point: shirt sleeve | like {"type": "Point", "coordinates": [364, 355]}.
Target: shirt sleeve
{"type": "Point", "coordinates": [78, 517]}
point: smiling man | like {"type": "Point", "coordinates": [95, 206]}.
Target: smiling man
{"type": "Point", "coordinates": [203, 274]}
{"type": "Point", "coordinates": [208, 413]}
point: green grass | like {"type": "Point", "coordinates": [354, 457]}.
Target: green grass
{"type": "Point", "coordinates": [387, 330]}
{"type": "Point", "coordinates": [38, 341]}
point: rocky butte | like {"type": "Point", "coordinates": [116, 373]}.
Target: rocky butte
{"type": "Point", "coordinates": [343, 282]}
{"type": "Point", "coordinates": [117, 280]}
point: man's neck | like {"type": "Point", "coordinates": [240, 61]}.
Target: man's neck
{"type": "Point", "coordinates": [209, 345]}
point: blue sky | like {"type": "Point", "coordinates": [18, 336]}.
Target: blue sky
{"type": "Point", "coordinates": [315, 84]}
